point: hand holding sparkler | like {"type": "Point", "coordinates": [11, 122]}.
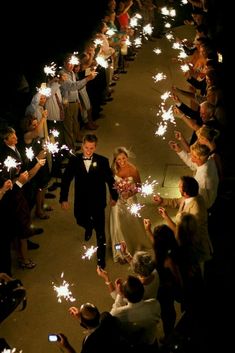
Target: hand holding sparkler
{"type": "Point", "coordinates": [147, 224]}
{"type": "Point", "coordinates": [158, 199]}
{"type": "Point", "coordinates": [6, 186]}
{"type": "Point", "coordinates": [74, 311]}
{"type": "Point", "coordinates": [163, 213]}
{"type": "Point", "coordinates": [23, 177]}
{"type": "Point", "coordinates": [174, 146]}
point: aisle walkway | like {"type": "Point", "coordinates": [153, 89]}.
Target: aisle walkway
{"type": "Point", "coordinates": [130, 120]}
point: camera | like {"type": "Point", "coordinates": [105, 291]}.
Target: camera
{"type": "Point", "coordinates": [53, 337]}
{"type": "Point", "coordinates": [117, 246]}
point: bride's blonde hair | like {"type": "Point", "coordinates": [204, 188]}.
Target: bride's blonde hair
{"type": "Point", "coordinates": [118, 151]}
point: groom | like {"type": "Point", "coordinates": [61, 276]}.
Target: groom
{"type": "Point", "coordinates": [91, 172]}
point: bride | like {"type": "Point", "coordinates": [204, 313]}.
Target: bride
{"type": "Point", "coordinates": [123, 225]}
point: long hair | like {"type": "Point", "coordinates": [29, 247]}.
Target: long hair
{"type": "Point", "coordinates": [118, 151]}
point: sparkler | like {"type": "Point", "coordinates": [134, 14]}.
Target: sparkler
{"type": "Point", "coordinates": [110, 32]}
{"type": "Point", "coordinates": [74, 60]}
{"type": "Point", "coordinates": [147, 188]}
{"type": "Point", "coordinates": [138, 42]}
{"type": "Point", "coordinates": [167, 25]}
{"type": "Point", "coordinates": [50, 70]}
{"type": "Point", "coordinates": [166, 95]}
{"type": "Point", "coordinates": [55, 133]}
{"type": "Point", "coordinates": [176, 45]}
{"type": "Point", "coordinates": [51, 147]}
{"type": "Point", "coordinates": [147, 30]}
{"type": "Point", "coordinates": [134, 22]}
{"type": "Point", "coordinates": [169, 36]}
{"type": "Point", "coordinates": [63, 291]}
{"type": "Point", "coordinates": [98, 41]}
{"type": "Point", "coordinates": [162, 128]}
{"type": "Point", "coordinates": [89, 252]}
{"type": "Point", "coordinates": [10, 163]}
{"type": "Point", "coordinates": [135, 208]}
{"type": "Point", "coordinates": [44, 91]}
{"type": "Point", "coordinates": [157, 51]}
{"type": "Point", "coordinates": [182, 55]}
{"type": "Point", "coordinates": [184, 2]}
{"type": "Point", "coordinates": [101, 61]}
{"type": "Point", "coordinates": [159, 77]}
{"type": "Point", "coordinates": [29, 153]}
{"type": "Point", "coordinates": [185, 68]}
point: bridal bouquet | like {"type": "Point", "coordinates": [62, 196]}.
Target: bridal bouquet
{"type": "Point", "coordinates": [125, 187]}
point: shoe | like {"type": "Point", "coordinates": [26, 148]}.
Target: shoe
{"type": "Point", "coordinates": [53, 187]}
{"type": "Point", "coordinates": [37, 231]}
{"type": "Point", "coordinates": [129, 59]}
{"type": "Point", "coordinates": [90, 126]}
{"type": "Point", "coordinates": [109, 99]}
{"type": "Point", "coordinates": [42, 216]}
{"type": "Point", "coordinates": [88, 234]}
{"type": "Point", "coordinates": [29, 264]}
{"type": "Point", "coordinates": [49, 196]}
{"type": "Point", "coordinates": [123, 72]}
{"type": "Point", "coordinates": [31, 245]}
{"type": "Point", "coordinates": [112, 84]}
{"type": "Point", "coordinates": [47, 208]}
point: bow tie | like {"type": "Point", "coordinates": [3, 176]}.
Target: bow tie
{"type": "Point", "coordinates": [87, 158]}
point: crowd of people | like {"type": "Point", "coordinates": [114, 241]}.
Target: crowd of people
{"type": "Point", "coordinates": [170, 262]}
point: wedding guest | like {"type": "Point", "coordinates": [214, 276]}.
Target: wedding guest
{"type": "Point", "coordinates": [123, 225]}
{"type": "Point", "coordinates": [91, 172]}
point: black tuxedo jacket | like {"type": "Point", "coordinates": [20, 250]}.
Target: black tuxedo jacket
{"type": "Point", "coordinates": [90, 187]}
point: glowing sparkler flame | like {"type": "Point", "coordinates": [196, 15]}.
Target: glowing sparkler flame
{"type": "Point", "coordinates": [182, 55]}
{"type": "Point", "coordinates": [159, 77]}
{"type": "Point", "coordinates": [29, 153]}
{"type": "Point", "coordinates": [167, 25]}
{"type": "Point", "coordinates": [52, 147]}
{"type": "Point", "coordinates": [162, 128]}
{"type": "Point", "coordinates": [74, 60]}
{"type": "Point", "coordinates": [135, 208]}
{"type": "Point", "coordinates": [185, 67]}
{"type": "Point", "coordinates": [110, 32]}
{"type": "Point", "coordinates": [101, 61]}
{"type": "Point", "coordinates": [55, 133]}
{"type": "Point", "coordinates": [169, 36]}
{"type": "Point", "coordinates": [157, 51]}
{"type": "Point", "coordinates": [50, 70]}
{"type": "Point", "coordinates": [147, 30]}
{"type": "Point", "coordinates": [44, 91]}
{"type": "Point", "coordinates": [98, 41]}
{"type": "Point", "coordinates": [10, 163]}
{"type": "Point", "coordinates": [138, 42]}
{"type": "Point", "coordinates": [147, 188]}
{"type": "Point", "coordinates": [165, 95]}
{"type": "Point", "coordinates": [89, 252]}
{"type": "Point", "coordinates": [63, 291]}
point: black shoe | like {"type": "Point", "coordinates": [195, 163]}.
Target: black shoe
{"type": "Point", "coordinates": [32, 246]}
{"type": "Point", "coordinates": [109, 99]}
{"type": "Point", "coordinates": [53, 187]}
{"type": "Point", "coordinates": [49, 196]}
{"type": "Point", "coordinates": [37, 231]}
{"type": "Point", "coordinates": [101, 264]}
{"type": "Point", "coordinates": [88, 234]}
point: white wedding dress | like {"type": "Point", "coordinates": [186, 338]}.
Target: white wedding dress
{"type": "Point", "coordinates": [126, 227]}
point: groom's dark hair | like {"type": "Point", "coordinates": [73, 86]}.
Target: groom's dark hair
{"type": "Point", "coordinates": [90, 138]}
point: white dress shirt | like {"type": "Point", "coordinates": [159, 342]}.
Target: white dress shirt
{"type": "Point", "coordinates": [206, 176]}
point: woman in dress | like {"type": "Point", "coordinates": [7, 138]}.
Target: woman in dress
{"type": "Point", "coordinates": [123, 225]}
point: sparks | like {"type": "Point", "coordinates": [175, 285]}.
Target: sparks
{"type": "Point", "coordinates": [51, 147]}
{"type": "Point", "coordinates": [50, 70]}
{"type": "Point", "coordinates": [167, 115]}
{"type": "Point", "coordinates": [138, 42]}
{"type": "Point", "coordinates": [29, 153]}
{"type": "Point", "coordinates": [147, 188]}
{"type": "Point", "coordinates": [89, 252]}
{"type": "Point", "coordinates": [10, 163]}
{"type": "Point", "coordinates": [165, 95]}
{"type": "Point", "coordinates": [182, 55]}
{"type": "Point", "coordinates": [167, 25]}
{"type": "Point", "coordinates": [185, 67]}
{"type": "Point", "coordinates": [101, 61]}
{"type": "Point", "coordinates": [110, 32]}
{"type": "Point", "coordinates": [147, 30]}
{"type": "Point", "coordinates": [162, 128]}
{"type": "Point", "coordinates": [159, 77]}
{"type": "Point", "coordinates": [98, 41]}
{"type": "Point", "coordinates": [169, 36]}
{"type": "Point", "coordinates": [44, 91]}
{"type": "Point", "coordinates": [133, 22]}
{"type": "Point", "coordinates": [74, 60]}
{"type": "Point", "coordinates": [55, 133]}
{"type": "Point", "coordinates": [157, 51]}
{"type": "Point", "coordinates": [63, 291]}
{"type": "Point", "coordinates": [135, 208]}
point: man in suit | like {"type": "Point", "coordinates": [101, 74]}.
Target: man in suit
{"type": "Point", "coordinates": [193, 203]}
{"type": "Point", "coordinates": [91, 172]}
